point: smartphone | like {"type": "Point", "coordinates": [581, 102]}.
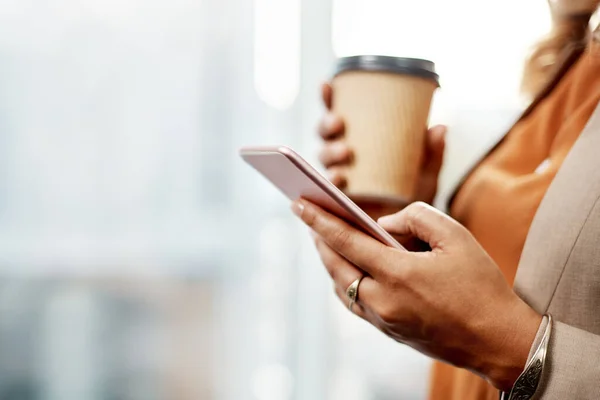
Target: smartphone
{"type": "Point", "coordinates": [296, 178]}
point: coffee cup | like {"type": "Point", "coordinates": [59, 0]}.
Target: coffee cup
{"type": "Point", "coordinates": [385, 104]}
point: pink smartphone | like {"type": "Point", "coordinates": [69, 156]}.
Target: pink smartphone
{"type": "Point", "coordinates": [296, 178]}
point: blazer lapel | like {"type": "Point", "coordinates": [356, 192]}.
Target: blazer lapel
{"type": "Point", "coordinates": [560, 218]}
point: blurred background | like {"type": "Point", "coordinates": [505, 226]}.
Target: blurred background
{"type": "Point", "coordinates": [139, 257]}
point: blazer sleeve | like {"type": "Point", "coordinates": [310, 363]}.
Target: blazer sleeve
{"type": "Point", "coordinates": [572, 367]}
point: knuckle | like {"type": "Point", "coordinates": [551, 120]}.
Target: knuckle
{"type": "Point", "coordinates": [415, 211]}
{"type": "Point", "coordinates": [331, 154]}
{"type": "Point", "coordinates": [344, 153]}
{"type": "Point", "coordinates": [418, 207]}
{"type": "Point", "coordinates": [337, 178]}
{"type": "Point", "coordinates": [334, 177]}
{"type": "Point", "coordinates": [403, 276]}
{"type": "Point", "coordinates": [350, 155]}
{"type": "Point", "coordinates": [333, 125]}
{"type": "Point", "coordinates": [336, 153]}
{"type": "Point", "coordinates": [341, 239]}
{"type": "Point", "coordinates": [321, 126]}
{"type": "Point", "coordinates": [381, 256]}
{"type": "Point", "coordinates": [333, 174]}
{"type": "Point", "coordinates": [323, 156]}
{"type": "Point", "coordinates": [310, 217]}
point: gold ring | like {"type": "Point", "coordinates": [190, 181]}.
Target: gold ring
{"type": "Point", "coordinates": [352, 292]}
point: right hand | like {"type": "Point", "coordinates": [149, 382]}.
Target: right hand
{"type": "Point", "coordinates": [336, 154]}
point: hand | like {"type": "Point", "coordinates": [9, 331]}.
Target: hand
{"type": "Point", "coordinates": [336, 154]}
{"type": "Point", "coordinates": [451, 303]}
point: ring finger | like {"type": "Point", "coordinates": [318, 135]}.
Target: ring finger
{"type": "Point", "coordinates": [357, 308]}
{"type": "Point", "coordinates": [335, 153]}
{"type": "Point", "coordinates": [336, 177]}
{"type": "Point", "coordinates": [344, 274]}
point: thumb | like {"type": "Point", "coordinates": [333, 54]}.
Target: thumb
{"type": "Point", "coordinates": [424, 222]}
{"type": "Point", "coordinates": [436, 142]}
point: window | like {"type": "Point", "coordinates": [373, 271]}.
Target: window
{"type": "Point", "coordinates": [477, 45]}
{"type": "Point", "coordinates": [277, 51]}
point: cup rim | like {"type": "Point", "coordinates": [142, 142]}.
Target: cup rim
{"type": "Point", "coordinates": [399, 65]}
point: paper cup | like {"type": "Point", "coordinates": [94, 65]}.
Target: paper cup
{"type": "Point", "coordinates": [385, 104]}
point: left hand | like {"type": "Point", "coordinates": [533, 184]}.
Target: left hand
{"type": "Point", "coordinates": [451, 303]}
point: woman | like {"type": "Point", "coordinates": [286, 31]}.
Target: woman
{"type": "Point", "coordinates": [530, 206]}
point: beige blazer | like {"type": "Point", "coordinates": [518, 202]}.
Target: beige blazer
{"type": "Point", "coordinates": [559, 270]}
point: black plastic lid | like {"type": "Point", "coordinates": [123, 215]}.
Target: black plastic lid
{"type": "Point", "coordinates": [399, 65]}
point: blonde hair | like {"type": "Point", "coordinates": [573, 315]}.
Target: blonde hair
{"type": "Point", "coordinates": [570, 31]}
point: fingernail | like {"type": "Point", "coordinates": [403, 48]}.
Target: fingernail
{"type": "Point", "coordinates": [297, 208]}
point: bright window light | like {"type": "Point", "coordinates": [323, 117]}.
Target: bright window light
{"type": "Point", "coordinates": [273, 382]}
{"type": "Point", "coordinates": [478, 46]}
{"type": "Point", "coordinates": [277, 51]}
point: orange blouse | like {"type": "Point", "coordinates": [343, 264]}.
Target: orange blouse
{"type": "Point", "coordinates": [499, 199]}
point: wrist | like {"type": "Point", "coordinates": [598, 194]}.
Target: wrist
{"type": "Point", "coordinates": [509, 346]}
